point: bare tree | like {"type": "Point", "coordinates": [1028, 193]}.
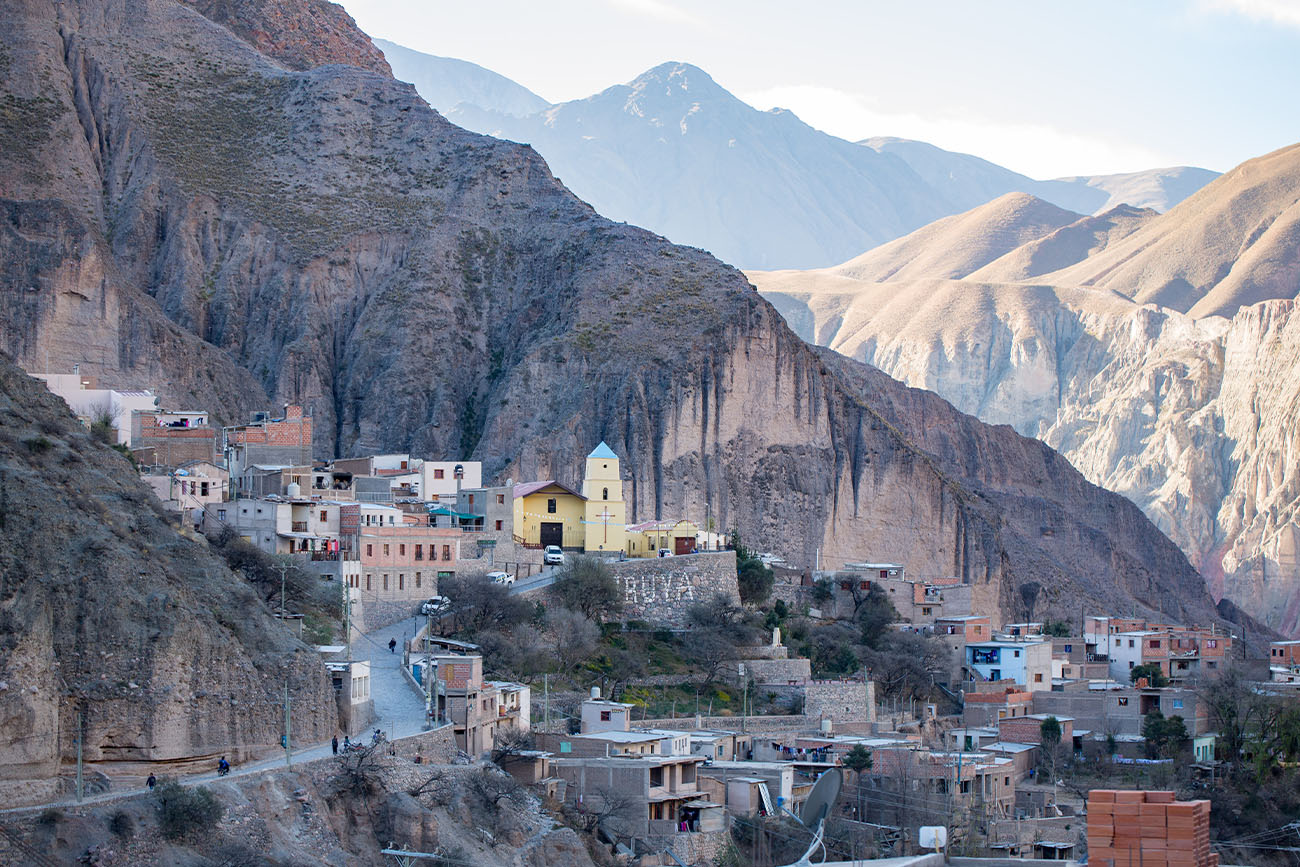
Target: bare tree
{"type": "Point", "coordinates": [510, 741]}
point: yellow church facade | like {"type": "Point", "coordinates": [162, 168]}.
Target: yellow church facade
{"type": "Point", "coordinates": [595, 519]}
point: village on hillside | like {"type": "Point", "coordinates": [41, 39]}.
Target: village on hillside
{"type": "Point", "coordinates": [713, 686]}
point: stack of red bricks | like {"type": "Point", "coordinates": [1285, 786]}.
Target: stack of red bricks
{"type": "Point", "coordinates": [1148, 829]}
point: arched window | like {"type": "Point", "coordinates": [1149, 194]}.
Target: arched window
{"type": "Point", "coordinates": [604, 494]}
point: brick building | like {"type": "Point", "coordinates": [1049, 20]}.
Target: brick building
{"type": "Point", "coordinates": [169, 438]}
{"type": "Point", "coordinates": [265, 441]}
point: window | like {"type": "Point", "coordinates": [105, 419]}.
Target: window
{"type": "Point", "coordinates": [439, 474]}
{"type": "Point", "coordinates": [1006, 781]}
{"type": "Point", "coordinates": [446, 552]}
{"type": "Point", "coordinates": [604, 493]}
{"type": "Point", "coordinates": [401, 581]}
{"type": "Point", "coordinates": [604, 716]}
{"type": "Point", "coordinates": [417, 580]}
{"type": "Point", "coordinates": [550, 506]}
{"type": "Point", "coordinates": [385, 581]}
{"type": "Point", "coordinates": [1154, 644]}
{"type": "Point", "coordinates": [419, 552]}
{"type": "Point", "coordinates": [1130, 663]}
{"type": "Point", "coordinates": [1038, 677]}
{"type": "Point", "coordinates": [367, 581]}
{"type": "Point", "coordinates": [501, 499]}
{"type": "Point", "coordinates": [203, 488]}
{"type": "Point", "coordinates": [1178, 704]}
{"type": "Point", "coordinates": [498, 525]}
{"type": "Point", "coordinates": [471, 499]}
{"type": "Point", "coordinates": [925, 610]}
{"type": "Point", "coordinates": [221, 514]}
{"type": "Point", "coordinates": [401, 550]}
{"type": "Point", "coordinates": [1016, 654]}
{"type": "Point", "coordinates": [1130, 642]}
{"type": "Point", "coordinates": [385, 550]}
{"type": "Point", "coordinates": [324, 515]}
{"type": "Point", "coordinates": [979, 630]}
{"type": "Point", "coordinates": [370, 550]}
{"type": "Point", "coordinates": [1123, 701]}
{"type": "Point", "coordinates": [1069, 648]}
{"type": "Point", "coordinates": [864, 585]}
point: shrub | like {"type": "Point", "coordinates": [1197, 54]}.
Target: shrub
{"type": "Point", "coordinates": [39, 445]}
{"type": "Point", "coordinates": [182, 810]}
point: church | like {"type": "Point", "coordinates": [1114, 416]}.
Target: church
{"type": "Point", "coordinates": [595, 520]}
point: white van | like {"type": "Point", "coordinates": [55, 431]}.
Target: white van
{"type": "Point", "coordinates": [501, 578]}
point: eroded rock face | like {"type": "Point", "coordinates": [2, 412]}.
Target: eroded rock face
{"type": "Point", "coordinates": [329, 237]}
{"type": "Point", "coordinates": [105, 611]}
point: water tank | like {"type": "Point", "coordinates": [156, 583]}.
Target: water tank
{"type": "Point", "coordinates": [595, 693]}
{"type": "Point", "coordinates": [826, 726]}
{"type": "Point", "coordinates": [293, 490]}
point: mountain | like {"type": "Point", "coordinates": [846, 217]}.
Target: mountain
{"type": "Point", "coordinates": [322, 236]}
{"type": "Point", "coordinates": [108, 612]}
{"type": "Point", "coordinates": [1066, 246]}
{"type": "Point", "coordinates": [1188, 415]}
{"type": "Point", "coordinates": [445, 83]}
{"type": "Point", "coordinates": [675, 152]}
{"type": "Point", "coordinates": [973, 181]}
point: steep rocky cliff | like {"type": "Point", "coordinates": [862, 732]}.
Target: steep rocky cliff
{"type": "Point", "coordinates": [421, 287]}
{"type": "Point", "coordinates": [1192, 418]}
{"type": "Point", "coordinates": [106, 612]}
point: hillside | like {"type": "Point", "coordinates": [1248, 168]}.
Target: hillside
{"type": "Point", "coordinates": [421, 287]}
{"type": "Point", "coordinates": [955, 246]}
{"type": "Point", "coordinates": [106, 611]}
{"type": "Point", "coordinates": [1189, 417]}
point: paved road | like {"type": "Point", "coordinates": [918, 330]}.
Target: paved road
{"type": "Point", "coordinates": [399, 708]}
{"type": "Point", "coordinates": [399, 712]}
{"type": "Point", "coordinates": [545, 578]}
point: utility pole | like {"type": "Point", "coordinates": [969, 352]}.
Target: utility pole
{"type": "Point", "coordinates": [428, 675]}
{"type": "Point", "coordinates": [546, 702]}
{"type": "Point", "coordinates": [288, 755]}
{"type": "Point", "coordinates": [81, 786]}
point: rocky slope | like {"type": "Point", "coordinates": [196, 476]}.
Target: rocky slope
{"type": "Point", "coordinates": [1188, 416]}
{"type": "Point", "coordinates": [418, 286]}
{"type": "Point", "coordinates": [105, 611]}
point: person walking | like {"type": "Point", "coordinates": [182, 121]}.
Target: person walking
{"type": "Point", "coordinates": [392, 645]}
{"type": "Point", "coordinates": [334, 744]}
{"type": "Point", "coordinates": [151, 782]}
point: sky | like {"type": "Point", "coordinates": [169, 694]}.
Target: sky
{"type": "Point", "coordinates": [1045, 88]}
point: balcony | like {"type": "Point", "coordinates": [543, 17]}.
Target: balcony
{"type": "Point", "coordinates": [336, 556]}
{"type": "Point", "coordinates": [299, 527]}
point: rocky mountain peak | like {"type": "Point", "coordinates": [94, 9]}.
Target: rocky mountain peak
{"type": "Point", "coordinates": [301, 34]}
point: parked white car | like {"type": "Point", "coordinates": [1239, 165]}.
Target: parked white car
{"type": "Point", "coordinates": [435, 606]}
{"type": "Point", "coordinates": [553, 556]}
{"type": "Point", "coordinates": [501, 578]}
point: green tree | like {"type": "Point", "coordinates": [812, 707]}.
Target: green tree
{"type": "Point", "coordinates": [858, 760]}
{"type": "Point", "coordinates": [1164, 737]}
{"type": "Point", "coordinates": [875, 614]}
{"type": "Point", "coordinates": [1151, 671]}
{"type": "Point", "coordinates": [182, 810]}
{"type": "Point", "coordinates": [753, 576]}
{"type": "Point", "coordinates": [587, 585]}
{"type": "Point", "coordinates": [1049, 731]}
{"type": "Point", "coordinates": [1056, 629]}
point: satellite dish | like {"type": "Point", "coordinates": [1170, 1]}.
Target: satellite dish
{"type": "Point", "coordinates": [822, 797]}
{"type": "Point", "coordinates": [817, 809]}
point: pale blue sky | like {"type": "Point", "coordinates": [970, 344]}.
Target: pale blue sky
{"type": "Point", "coordinates": [1046, 88]}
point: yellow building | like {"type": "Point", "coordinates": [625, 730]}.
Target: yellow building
{"type": "Point", "coordinates": [649, 538]}
{"type": "Point", "coordinates": [605, 515]}
{"type": "Point", "coordinates": [548, 513]}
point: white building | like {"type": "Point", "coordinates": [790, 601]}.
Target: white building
{"type": "Point", "coordinates": [89, 403]}
{"type": "Point", "coordinates": [1126, 650]}
{"type": "Point", "coordinates": [599, 715]}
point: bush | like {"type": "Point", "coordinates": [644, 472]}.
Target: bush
{"type": "Point", "coordinates": [754, 578]}
{"type": "Point", "coordinates": [182, 810]}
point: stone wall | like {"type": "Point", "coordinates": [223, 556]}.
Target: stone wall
{"type": "Point", "coordinates": [661, 590]}
{"type": "Point", "coordinates": [776, 671]}
{"type": "Point", "coordinates": [696, 848]}
{"type": "Point", "coordinates": [843, 701]}
{"type": "Point", "coordinates": [789, 723]}
{"type": "Point", "coordinates": [436, 745]}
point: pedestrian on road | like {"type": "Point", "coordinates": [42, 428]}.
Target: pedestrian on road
{"type": "Point", "coordinates": [334, 744]}
{"type": "Point", "coordinates": [347, 743]}
{"type": "Point", "coordinates": [392, 645]}
{"type": "Point", "coordinates": [151, 782]}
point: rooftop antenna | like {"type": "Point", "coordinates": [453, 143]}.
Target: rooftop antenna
{"type": "Point", "coordinates": [816, 810]}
